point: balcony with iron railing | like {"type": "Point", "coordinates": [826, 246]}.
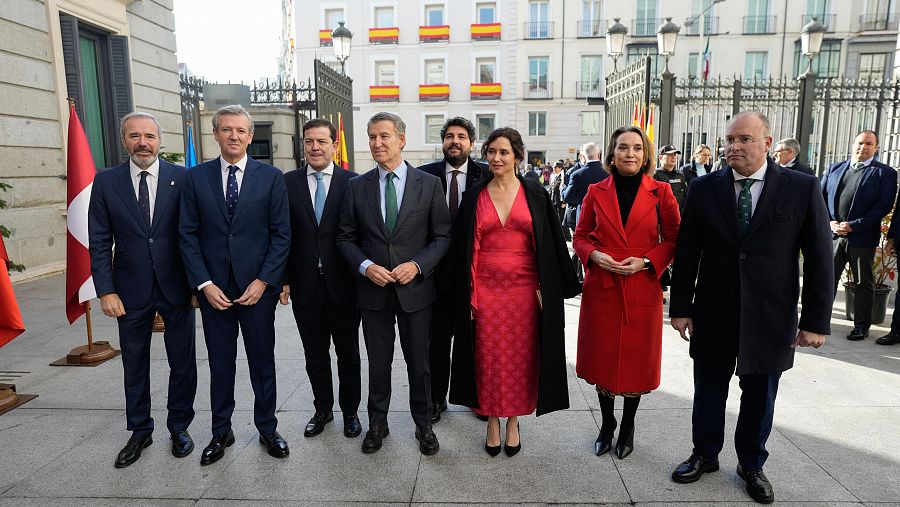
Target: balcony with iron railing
{"type": "Point", "coordinates": [588, 28]}
{"type": "Point", "coordinates": [588, 89]}
{"type": "Point", "coordinates": [826, 19]}
{"type": "Point", "coordinates": [538, 30]}
{"type": "Point", "coordinates": [873, 22]}
{"type": "Point", "coordinates": [756, 25]}
{"type": "Point", "coordinates": [710, 26]}
{"type": "Point", "coordinates": [537, 89]}
{"type": "Point", "coordinates": [645, 27]}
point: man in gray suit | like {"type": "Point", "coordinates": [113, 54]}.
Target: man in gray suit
{"type": "Point", "coordinates": [394, 230]}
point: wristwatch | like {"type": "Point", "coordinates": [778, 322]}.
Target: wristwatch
{"type": "Point", "coordinates": [647, 264]}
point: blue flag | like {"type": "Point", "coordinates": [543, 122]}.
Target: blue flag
{"type": "Point", "coordinates": [190, 154]}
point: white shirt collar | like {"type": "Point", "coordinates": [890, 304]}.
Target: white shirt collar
{"type": "Point", "coordinates": [400, 171]}
{"type": "Point", "coordinates": [760, 173]}
{"type": "Point", "coordinates": [865, 162]}
{"type": "Point", "coordinates": [241, 164]}
{"type": "Point", "coordinates": [790, 164]}
{"type": "Point", "coordinates": [463, 168]}
{"type": "Point", "coordinates": [328, 170]}
{"type": "Point", "coordinates": [136, 171]}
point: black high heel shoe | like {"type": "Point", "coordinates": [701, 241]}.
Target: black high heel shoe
{"type": "Point", "coordinates": [493, 450]}
{"type": "Point", "coordinates": [512, 450]}
{"type": "Point", "coordinates": [604, 440]}
{"type": "Point", "coordinates": [625, 443]}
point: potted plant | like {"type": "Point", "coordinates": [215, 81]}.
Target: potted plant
{"type": "Point", "coordinates": [884, 268]}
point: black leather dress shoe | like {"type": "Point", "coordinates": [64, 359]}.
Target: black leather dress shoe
{"type": "Point", "coordinates": [889, 339]}
{"type": "Point", "coordinates": [352, 426]}
{"type": "Point", "coordinates": [603, 444]}
{"type": "Point", "coordinates": [132, 450]}
{"type": "Point", "coordinates": [275, 445]}
{"type": "Point", "coordinates": [374, 438]}
{"type": "Point", "coordinates": [693, 469]}
{"type": "Point", "coordinates": [440, 406]}
{"type": "Point", "coordinates": [317, 423]}
{"type": "Point", "coordinates": [857, 334]}
{"type": "Point", "coordinates": [428, 441]}
{"type": "Point", "coordinates": [758, 486]}
{"type": "Point", "coordinates": [216, 448]}
{"type": "Point", "coordinates": [182, 444]}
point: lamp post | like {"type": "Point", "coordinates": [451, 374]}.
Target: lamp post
{"type": "Point", "coordinates": [615, 40]}
{"type": "Point", "coordinates": [666, 37]}
{"type": "Point", "coordinates": [340, 40]}
{"type": "Point", "coordinates": [811, 36]}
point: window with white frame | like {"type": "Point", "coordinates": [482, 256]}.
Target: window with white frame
{"type": "Point", "coordinates": [697, 65]}
{"type": "Point", "coordinates": [486, 13]}
{"type": "Point", "coordinates": [434, 15]}
{"type": "Point", "coordinates": [384, 17]}
{"type": "Point", "coordinates": [872, 66]}
{"type": "Point", "coordinates": [484, 124]}
{"type": "Point", "coordinates": [591, 74]}
{"type": "Point", "coordinates": [755, 65]}
{"type": "Point", "coordinates": [486, 70]}
{"type": "Point", "coordinates": [434, 71]}
{"type": "Point", "coordinates": [333, 17]}
{"type": "Point", "coordinates": [590, 123]}
{"type": "Point", "coordinates": [384, 73]}
{"type": "Point", "coordinates": [537, 123]}
{"type": "Point", "coordinates": [433, 124]}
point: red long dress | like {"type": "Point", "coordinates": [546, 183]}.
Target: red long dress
{"type": "Point", "coordinates": [505, 308]}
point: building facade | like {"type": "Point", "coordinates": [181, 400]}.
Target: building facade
{"type": "Point", "coordinates": [534, 64]}
{"type": "Point", "coordinates": [111, 57]}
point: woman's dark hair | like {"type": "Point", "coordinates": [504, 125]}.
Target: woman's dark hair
{"type": "Point", "coordinates": [512, 135]}
{"type": "Point", "coordinates": [648, 165]}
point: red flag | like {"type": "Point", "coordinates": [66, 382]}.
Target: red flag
{"type": "Point", "coordinates": [11, 324]}
{"type": "Point", "coordinates": [636, 116]}
{"type": "Point", "coordinates": [80, 171]}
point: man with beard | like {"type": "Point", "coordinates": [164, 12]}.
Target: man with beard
{"type": "Point", "coordinates": [457, 173]}
{"type": "Point", "coordinates": [137, 269]}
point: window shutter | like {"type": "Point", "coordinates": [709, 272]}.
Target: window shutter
{"type": "Point", "coordinates": [120, 81]}
{"type": "Point", "coordinates": [68, 29]}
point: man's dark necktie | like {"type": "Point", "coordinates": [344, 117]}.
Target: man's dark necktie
{"type": "Point", "coordinates": [390, 204]}
{"type": "Point", "coordinates": [231, 191]}
{"type": "Point", "coordinates": [144, 198]}
{"type": "Point", "coordinates": [745, 204]}
{"type": "Point", "coordinates": [856, 166]}
{"type": "Point", "coordinates": [454, 194]}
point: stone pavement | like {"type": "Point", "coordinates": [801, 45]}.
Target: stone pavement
{"type": "Point", "coordinates": [836, 439]}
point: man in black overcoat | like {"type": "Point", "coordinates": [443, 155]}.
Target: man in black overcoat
{"type": "Point", "coordinates": [738, 306]}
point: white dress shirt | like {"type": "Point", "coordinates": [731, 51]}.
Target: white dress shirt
{"type": "Point", "coordinates": [460, 180]}
{"type": "Point", "coordinates": [755, 189]}
{"type": "Point", "coordinates": [152, 182]}
{"type": "Point", "coordinates": [327, 174]}
{"type": "Point", "coordinates": [239, 174]}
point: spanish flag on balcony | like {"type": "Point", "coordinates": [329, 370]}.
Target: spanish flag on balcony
{"type": "Point", "coordinates": [324, 37]}
{"type": "Point", "coordinates": [434, 92]}
{"type": "Point", "coordinates": [383, 35]}
{"type": "Point", "coordinates": [485, 90]}
{"type": "Point", "coordinates": [434, 33]}
{"type": "Point", "coordinates": [384, 93]}
{"type": "Point", "coordinates": [489, 31]}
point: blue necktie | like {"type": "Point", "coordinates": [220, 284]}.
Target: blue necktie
{"type": "Point", "coordinates": [319, 204]}
{"type": "Point", "coordinates": [231, 191]}
{"type": "Point", "coordinates": [144, 199]}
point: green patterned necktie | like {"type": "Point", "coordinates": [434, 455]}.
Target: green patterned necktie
{"type": "Point", "coordinates": [745, 204]}
{"type": "Point", "coordinates": [390, 204]}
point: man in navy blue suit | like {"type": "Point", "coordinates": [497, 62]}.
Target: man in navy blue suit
{"type": "Point", "coordinates": [576, 188]}
{"type": "Point", "coordinates": [137, 269]}
{"type": "Point", "coordinates": [320, 285]}
{"type": "Point", "coordinates": [235, 236]}
{"type": "Point", "coordinates": [735, 287]}
{"type": "Point", "coordinates": [859, 192]}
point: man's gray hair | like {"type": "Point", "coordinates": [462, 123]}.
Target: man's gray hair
{"type": "Point", "coordinates": [138, 114]}
{"type": "Point", "coordinates": [232, 110]}
{"type": "Point", "coordinates": [759, 116]}
{"type": "Point", "coordinates": [591, 151]}
{"type": "Point", "coordinates": [790, 143]}
{"type": "Point", "coordinates": [399, 124]}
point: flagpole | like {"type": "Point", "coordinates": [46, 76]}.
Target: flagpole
{"type": "Point", "coordinates": [90, 329]}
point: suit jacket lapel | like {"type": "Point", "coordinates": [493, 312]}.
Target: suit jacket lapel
{"type": "Point", "coordinates": [410, 192]}
{"type": "Point", "coordinates": [776, 178]}
{"type": "Point", "coordinates": [373, 196]}
{"type": "Point", "coordinates": [332, 203]}
{"type": "Point", "coordinates": [303, 189]}
{"type": "Point", "coordinates": [164, 188]}
{"type": "Point", "coordinates": [250, 176]}
{"type": "Point", "coordinates": [125, 189]}
{"type": "Point", "coordinates": [214, 172]}
{"type": "Point", "coordinates": [644, 202]}
{"type": "Point", "coordinates": [609, 206]}
{"type": "Point", "coordinates": [728, 201]}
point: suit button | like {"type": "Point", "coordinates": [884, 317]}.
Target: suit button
{"type": "Point", "coordinates": [151, 241]}
{"type": "Point", "coordinates": [742, 256]}
{"type": "Point", "coordinates": [231, 236]}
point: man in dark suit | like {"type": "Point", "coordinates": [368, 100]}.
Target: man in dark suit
{"type": "Point", "coordinates": [859, 193]}
{"type": "Point", "coordinates": [457, 172]}
{"type": "Point", "coordinates": [137, 270]}
{"type": "Point", "coordinates": [235, 236]}
{"type": "Point", "coordinates": [785, 155]}
{"type": "Point", "coordinates": [699, 164]}
{"type": "Point", "coordinates": [394, 230]}
{"type": "Point", "coordinates": [738, 306]}
{"type": "Point", "coordinates": [576, 188]}
{"type": "Point", "coordinates": [319, 283]}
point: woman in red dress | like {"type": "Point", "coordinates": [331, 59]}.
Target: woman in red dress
{"type": "Point", "coordinates": [509, 349]}
{"type": "Point", "coordinates": [626, 236]}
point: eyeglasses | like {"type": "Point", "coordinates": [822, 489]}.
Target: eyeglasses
{"type": "Point", "coordinates": [743, 140]}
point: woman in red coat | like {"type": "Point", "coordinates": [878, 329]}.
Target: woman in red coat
{"type": "Point", "coordinates": [626, 236]}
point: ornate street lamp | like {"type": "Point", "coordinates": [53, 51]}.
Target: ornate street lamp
{"type": "Point", "coordinates": [666, 36]}
{"type": "Point", "coordinates": [811, 36]}
{"type": "Point", "coordinates": [615, 40]}
{"type": "Point", "coordinates": [340, 39]}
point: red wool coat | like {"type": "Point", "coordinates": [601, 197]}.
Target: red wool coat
{"type": "Point", "coordinates": [620, 326]}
